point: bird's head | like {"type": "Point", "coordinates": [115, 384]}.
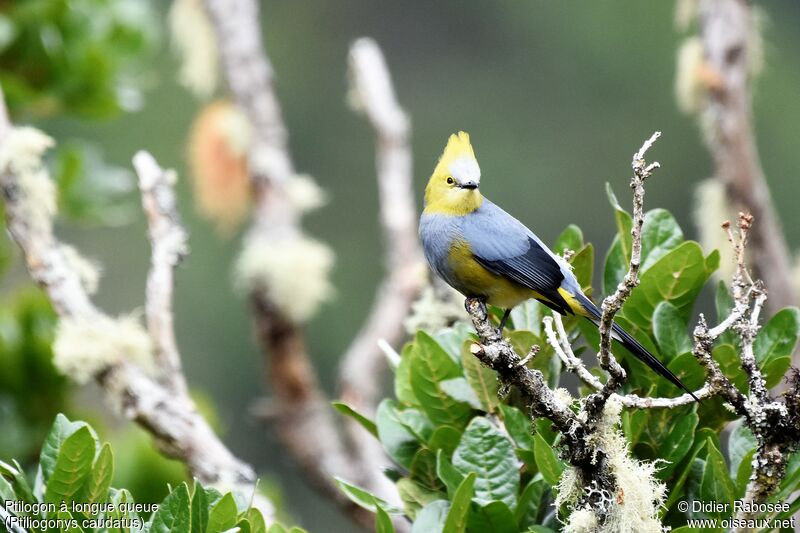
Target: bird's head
{"type": "Point", "coordinates": [453, 187]}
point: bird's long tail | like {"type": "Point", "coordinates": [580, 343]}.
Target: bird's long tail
{"type": "Point", "coordinates": [631, 344]}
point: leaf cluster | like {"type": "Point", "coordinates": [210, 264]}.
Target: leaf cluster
{"type": "Point", "coordinates": [82, 57]}
{"type": "Point", "coordinates": [76, 468]}
{"type": "Point", "coordinates": [469, 457]}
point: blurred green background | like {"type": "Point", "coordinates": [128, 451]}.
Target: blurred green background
{"type": "Point", "coordinates": [556, 96]}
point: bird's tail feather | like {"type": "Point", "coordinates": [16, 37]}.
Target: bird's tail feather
{"type": "Point", "coordinates": [632, 345]}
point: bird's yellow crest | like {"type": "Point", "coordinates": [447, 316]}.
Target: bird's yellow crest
{"type": "Point", "coordinates": [457, 145]}
{"type": "Point", "coordinates": [452, 189]}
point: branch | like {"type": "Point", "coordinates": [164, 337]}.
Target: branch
{"type": "Point", "coordinates": [168, 242]}
{"type": "Point", "coordinates": [168, 415]}
{"type": "Point", "coordinates": [305, 419]}
{"type": "Point", "coordinates": [614, 302]}
{"type": "Point", "coordinates": [728, 30]}
{"type": "Point", "coordinates": [363, 363]}
{"type": "Point", "coordinates": [580, 449]}
{"type": "Point", "coordinates": [560, 343]}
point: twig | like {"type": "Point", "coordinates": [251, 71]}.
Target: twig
{"type": "Point", "coordinates": [565, 353]}
{"type": "Point", "coordinates": [170, 418]}
{"type": "Point", "coordinates": [727, 28]}
{"type": "Point", "coordinates": [743, 288]}
{"type": "Point", "coordinates": [614, 302]}
{"type": "Point", "coordinates": [561, 346]}
{"type": "Point", "coordinates": [372, 92]}
{"type": "Point", "coordinates": [168, 242]}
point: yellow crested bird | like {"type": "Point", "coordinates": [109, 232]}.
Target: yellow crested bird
{"type": "Point", "coordinates": [483, 252]}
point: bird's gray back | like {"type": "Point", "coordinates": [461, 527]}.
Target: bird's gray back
{"type": "Point", "coordinates": [494, 235]}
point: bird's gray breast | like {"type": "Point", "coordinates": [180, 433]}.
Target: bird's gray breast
{"type": "Point", "coordinates": [437, 233]}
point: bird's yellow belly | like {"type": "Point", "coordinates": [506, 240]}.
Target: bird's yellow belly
{"type": "Point", "coordinates": [472, 279]}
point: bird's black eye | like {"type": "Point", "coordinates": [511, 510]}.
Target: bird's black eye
{"type": "Point", "coordinates": [450, 180]}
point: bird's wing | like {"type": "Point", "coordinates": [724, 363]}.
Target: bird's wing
{"type": "Point", "coordinates": [504, 246]}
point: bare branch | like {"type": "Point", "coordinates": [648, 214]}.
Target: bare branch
{"type": "Point", "coordinates": [560, 343]}
{"type": "Point", "coordinates": [727, 30]}
{"type": "Point", "coordinates": [168, 241]}
{"type": "Point", "coordinates": [303, 411]}
{"type": "Point", "coordinates": [565, 353]}
{"type": "Point", "coordinates": [372, 92]}
{"type": "Point", "coordinates": [614, 302]}
{"type": "Point", "coordinates": [580, 449]}
{"type": "Point", "coordinates": [166, 414]}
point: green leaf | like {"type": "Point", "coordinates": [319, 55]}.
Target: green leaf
{"type": "Point", "coordinates": [779, 336]}
{"type": "Point", "coordinates": [72, 467]}
{"type": "Point", "coordinates": [452, 339]}
{"type": "Point", "coordinates": [18, 480]}
{"type": "Point", "coordinates": [432, 517]}
{"type": "Point", "coordinates": [71, 525]}
{"type": "Point", "coordinates": [173, 515]}
{"type": "Point", "coordinates": [416, 422]}
{"type": "Point", "coordinates": [99, 481]}
{"type": "Point", "coordinates": [460, 390]}
{"type": "Point", "coordinates": [570, 239]}
{"type": "Point", "coordinates": [549, 464]}
{"type": "Point", "coordinates": [414, 496]}
{"type": "Point", "coordinates": [61, 429]}
{"type": "Point", "coordinates": [791, 479]}
{"type": "Point", "coordinates": [518, 425]}
{"type": "Point", "coordinates": [529, 508]}
{"type": "Point", "coordinates": [7, 491]}
{"type": "Point", "coordinates": [687, 369]}
{"type": "Point", "coordinates": [200, 504]}
{"type": "Point", "coordinates": [615, 266]}
{"type": "Point", "coordinates": [678, 442]}
{"type": "Point", "coordinates": [276, 528]}
{"type": "Point", "coordinates": [383, 524]}
{"type": "Point", "coordinates": [624, 224]}
{"type": "Point", "coordinates": [494, 517]}
{"type": "Point", "coordinates": [677, 278]}
{"type": "Point", "coordinates": [670, 330]}
{"type": "Point", "coordinates": [365, 422]}
{"type": "Point", "coordinates": [364, 498]}
{"type": "Point", "coordinates": [740, 442]}
{"type": "Point", "coordinates": [423, 469]}
{"type": "Point", "coordinates": [731, 365]}
{"type": "Point", "coordinates": [444, 438]}
{"type": "Point", "coordinates": [522, 341]}
{"type": "Point", "coordinates": [683, 472]}
{"type": "Point", "coordinates": [402, 377]}
{"type": "Point", "coordinates": [447, 473]}
{"type": "Point", "coordinates": [399, 442]}
{"type": "Point", "coordinates": [582, 265]}
{"type": "Point", "coordinates": [223, 515]}
{"type": "Point", "coordinates": [716, 484]}
{"type": "Point", "coordinates": [483, 380]}
{"type": "Point", "coordinates": [488, 452]}
{"type": "Point", "coordinates": [430, 365]}
{"type": "Point", "coordinates": [774, 370]}
{"type": "Point", "coordinates": [660, 235]}
{"type": "Point", "coordinates": [743, 473]}
{"type": "Point", "coordinates": [528, 316]}
{"type": "Point", "coordinates": [456, 521]}
{"type": "Point", "coordinates": [256, 519]}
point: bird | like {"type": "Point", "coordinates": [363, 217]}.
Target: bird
{"type": "Point", "coordinates": [483, 252]}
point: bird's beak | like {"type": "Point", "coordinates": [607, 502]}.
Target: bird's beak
{"type": "Point", "coordinates": [469, 185]}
